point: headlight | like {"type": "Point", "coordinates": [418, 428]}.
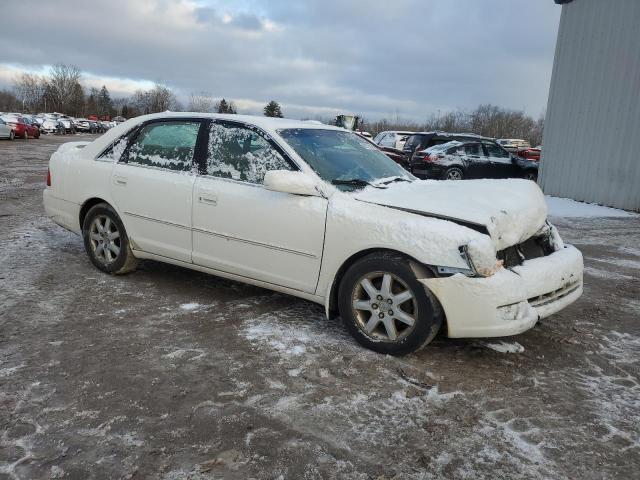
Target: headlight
{"type": "Point", "coordinates": [480, 254]}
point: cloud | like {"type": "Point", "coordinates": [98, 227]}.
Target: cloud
{"type": "Point", "coordinates": [377, 58]}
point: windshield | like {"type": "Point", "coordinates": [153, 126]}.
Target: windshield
{"type": "Point", "coordinates": [339, 157]}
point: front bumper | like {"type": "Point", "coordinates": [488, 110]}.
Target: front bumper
{"type": "Point", "coordinates": [512, 300]}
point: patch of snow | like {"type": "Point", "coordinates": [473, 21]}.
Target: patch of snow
{"type": "Point", "coordinates": [57, 472]}
{"type": "Point", "coordinates": [565, 207]}
{"type": "Point", "coordinates": [190, 306]}
{"type": "Point", "coordinates": [504, 347]}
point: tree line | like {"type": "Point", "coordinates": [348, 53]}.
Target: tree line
{"type": "Point", "coordinates": [487, 120]}
{"type": "Point", "coordinates": [61, 90]}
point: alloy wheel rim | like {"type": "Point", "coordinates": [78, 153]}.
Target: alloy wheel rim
{"type": "Point", "coordinates": [104, 237]}
{"type": "Point", "coordinates": [384, 307]}
{"type": "Point", "coordinates": [454, 175]}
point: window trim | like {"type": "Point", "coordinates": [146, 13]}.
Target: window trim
{"type": "Point", "coordinates": [124, 158]}
{"type": "Point", "coordinates": [202, 160]}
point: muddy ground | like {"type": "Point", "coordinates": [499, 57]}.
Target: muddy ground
{"type": "Point", "coordinates": [167, 373]}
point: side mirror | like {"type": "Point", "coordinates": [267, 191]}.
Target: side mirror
{"type": "Point", "coordinates": [285, 181]}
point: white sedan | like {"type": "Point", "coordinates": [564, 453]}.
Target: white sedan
{"type": "Point", "coordinates": [317, 212]}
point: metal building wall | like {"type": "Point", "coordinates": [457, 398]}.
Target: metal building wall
{"type": "Point", "coordinates": [591, 144]}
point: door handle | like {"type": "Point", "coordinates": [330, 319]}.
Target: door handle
{"type": "Point", "coordinates": [118, 180]}
{"type": "Point", "coordinates": [208, 198]}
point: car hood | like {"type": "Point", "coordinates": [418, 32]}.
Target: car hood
{"type": "Point", "coordinates": [509, 211]}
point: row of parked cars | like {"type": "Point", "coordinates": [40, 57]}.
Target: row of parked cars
{"type": "Point", "coordinates": [456, 156]}
{"type": "Point", "coordinates": [19, 125]}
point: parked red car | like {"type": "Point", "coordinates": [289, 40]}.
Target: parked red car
{"type": "Point", "coordinates": [17, 125]}
{"type": "Point", "coordinates": [33, 129]}
{"type": "Point", "coordinates": [529, 153]}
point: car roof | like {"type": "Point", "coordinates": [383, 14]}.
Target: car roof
{"type": "Point", "coordinates": [453, 135]}
{"type": "Point", "coordinates": [268, 124]}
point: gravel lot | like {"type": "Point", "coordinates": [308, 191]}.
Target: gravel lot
{"type": "Point", "coordinates": [168, 373]}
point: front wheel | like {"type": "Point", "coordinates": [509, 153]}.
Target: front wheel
{"type": "Point", "coordinates": [106, 240]}
{"type": "Point", "coordinates": [453, 173]}
{"type": "Point", "coordinates": [385, 307]}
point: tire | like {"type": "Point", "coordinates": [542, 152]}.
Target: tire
{"type": "Point", "coordinates": [531, 175]}
{"type": "Point", "coordinates": [108, 252]}
{"type": "Point", "coordinates": [373, 327]}
{"type": "Point", "coordinates": [453, 173]}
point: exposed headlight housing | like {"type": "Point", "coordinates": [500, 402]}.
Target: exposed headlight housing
{"type": "Point", "coordinates": [481, 256]}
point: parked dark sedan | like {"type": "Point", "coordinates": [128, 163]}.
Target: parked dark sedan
{"type": "Point", "coordinates": [422, 140]}
{"type": "Point", "coordinates": [457, 160]}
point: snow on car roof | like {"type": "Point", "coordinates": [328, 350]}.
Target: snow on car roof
{"type": "Point", "coordinates": [270, 124]}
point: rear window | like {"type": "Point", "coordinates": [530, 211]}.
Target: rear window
{"type": "Point", "coordinates": [413, 142]}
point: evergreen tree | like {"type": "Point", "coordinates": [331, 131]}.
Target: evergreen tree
{"type": "Point", "coordinates": [272, 109]}
{"type": "Point", "coordinates": [223, 106]}
{"type": "Point", "coordinates": [105, 105]}
{"type": "Point", "coordinates": [92, 102]}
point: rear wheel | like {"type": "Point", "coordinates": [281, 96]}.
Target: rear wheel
{"type": "Point", "coordinates": [106, 240]}
{"type": "Point", "coordinates": [12, 135]}
{"type": "Point", "coordinates": [531, 175]}
{"type": "Point", "coordinates": [385, 307]}
{"type": "Point", "coordinates": [453, 173]}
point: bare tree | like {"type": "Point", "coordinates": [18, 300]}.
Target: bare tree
{"type": "Point", "coordinates": [201, 102]}
{"type": "Point", "coordinates": [63, 86]}
{"type": "Point", "coordinates": [159, 99]}
{"type": "Point", "coordinates": [30, 90]}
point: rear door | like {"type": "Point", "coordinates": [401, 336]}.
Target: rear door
{"type": "Point", "coordinates": [501, 165]}
{"type": "Point", "coordinates": [152, 186]}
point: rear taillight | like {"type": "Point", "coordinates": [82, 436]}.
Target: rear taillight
{"type": "Point", "coordinates": [426, 157]}
{"type": "Point", "coordinates": [48, 177]}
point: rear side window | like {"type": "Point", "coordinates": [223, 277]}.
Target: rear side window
{"type": "Point", "coordinates": [240, 153]}
{"type": "Point", "coordinates": [167, 145]}
{"type": "Point", "coordinates": [389, 140]}
{"type": "Point", "coordinates": [473, 149]}
{"type": "Point", "coordinates": [413, 142]}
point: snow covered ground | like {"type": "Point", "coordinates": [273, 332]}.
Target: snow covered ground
{"type": "Point", "coordinates": [173, 374]}
{"type": "Point", "coordinates": [565, 207]}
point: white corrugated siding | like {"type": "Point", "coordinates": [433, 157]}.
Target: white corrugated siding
{"type": "Point", "coordinates": [591, 146]}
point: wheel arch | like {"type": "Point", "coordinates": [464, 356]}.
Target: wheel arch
{"type": "Point", "coordinates": [86, 206]}
{"type": "Point", "coordinates": [331, 301]}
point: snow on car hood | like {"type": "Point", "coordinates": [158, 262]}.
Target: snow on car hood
{"type": "Point", "coordinates": [510, 210]}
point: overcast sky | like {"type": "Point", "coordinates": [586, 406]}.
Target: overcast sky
{"type": "Point", "coordinates": [384, 58]}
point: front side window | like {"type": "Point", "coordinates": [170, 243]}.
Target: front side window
{"type": "Point", "coordinates": [496, 151]}
{"type": "Point", "coordinates": [167, 145]}
{"type": "Point", "coordinates": [240, 153]}
{"type": "Point", "coordinates": [342, 156]}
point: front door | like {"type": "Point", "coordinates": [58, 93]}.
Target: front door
{"type": "Point", "coordinates": [242, 228]}
{"type": "Point", "coordinates": [477, 163]}
{"type": "Point", "coordinates": [500, 159]}
{"type": "Point", "coordinates": [152, 186]}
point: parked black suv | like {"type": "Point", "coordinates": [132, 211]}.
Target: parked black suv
{"type": "Point", "coordinates": [422, 140]}
{"type": "Point", "coordinates": [458, 160]}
